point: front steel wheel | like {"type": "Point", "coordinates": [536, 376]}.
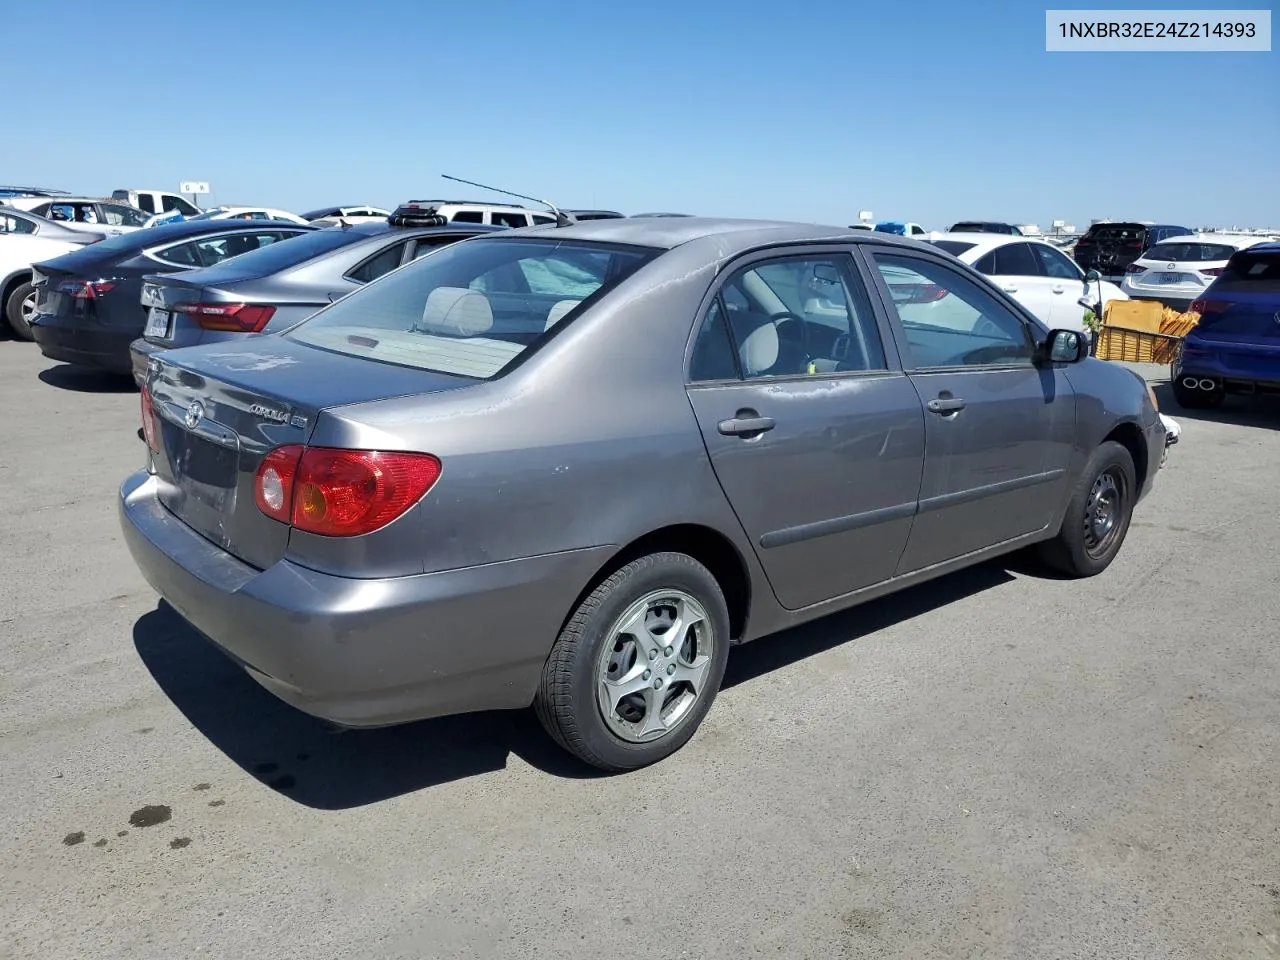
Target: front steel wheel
{"type": "Point", "coordinates": [638, 664]}
{"type": "Point", "coordinates": [1104, 511]}
{"type": "Point", "coordinates": [1097, 515]}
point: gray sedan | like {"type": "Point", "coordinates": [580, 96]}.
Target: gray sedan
{"type": "Point", "coordinates": [572, 466]}
{"type": "Point", "coordinates": [272, 288]}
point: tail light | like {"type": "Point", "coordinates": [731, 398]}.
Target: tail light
{"type": "Point", "coordinates": [86, 289]}
{"type": "Point", "coordinates": [341, 493]}
{"type": "Point", "coordinates": [236, 317]}
{"type": "Point", "coordinates": [150, 430]}
{"type": "Point", "coordinates": [1213, 271]}
{"type": "Point", "coordinates": [1134, 268]}
{"type": "Point", "coordinates": [1204, 306]}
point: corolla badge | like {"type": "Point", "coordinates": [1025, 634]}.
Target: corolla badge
{"type": "Point", "coordinates": [195, 411]}
{"type": "Point", "coordinates": [269, 413]}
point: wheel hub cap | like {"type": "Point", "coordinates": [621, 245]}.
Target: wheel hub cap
{"type": "Point", "coordinates": [1103, 511]}
{"type": "Point", "coordinates": [654, 665]}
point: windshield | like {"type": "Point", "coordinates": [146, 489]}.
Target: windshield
{"type": "Point", "coordinates": [1189, 252]}
{"type": "Point", "coordinates": [474, 307]}
{"type": "Point", "coordinates": [953, 247]}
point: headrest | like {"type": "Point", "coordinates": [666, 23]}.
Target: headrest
{"type": "Point", "coordinates": [759, 350]}
{"type": "Point", "coordinates": [558, 310]}
{"type": "Point", "coordinates": [457, 311]}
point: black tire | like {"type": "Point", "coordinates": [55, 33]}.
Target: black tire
{"type": "Point", "coordinates": [1077, 551]}
{"type": "Point", "coordinates": [13, 311]}
{"type": "Point", "coordinates": [1190, 399]}
{"type": "Point", "coordinates": [566, 702]}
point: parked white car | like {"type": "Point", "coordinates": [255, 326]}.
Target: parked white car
{"type": "Point", "coordinates": [248, 213]}
{"type": "Point", "coordinates": [90, 214]}
{"type": "Point", "coordinates": [26, 239]}
{"type": "Point", "coordinates": [1035, 273]}
{"type": "Point", "coordinates": [1178, 270]}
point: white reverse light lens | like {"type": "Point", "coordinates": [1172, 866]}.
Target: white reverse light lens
{"type": "Point", "coordinates": [272, 489]}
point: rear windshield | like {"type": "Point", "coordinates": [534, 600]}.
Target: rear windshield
{"type": "Point", "coordinates": [953, 247]}
{"type": "Point", "coordinates": [290, 252]}
{"type": "Point", "coordinates": [1188, 252]}
{"type": "Point", "coordinates": [472, 308]}
{"type": "Point", "coordinates": [972, 227]}
{"type": "Point", "coordinates": [1252, 272]}
{"type": "Point", "coordinates": [1117, 231]}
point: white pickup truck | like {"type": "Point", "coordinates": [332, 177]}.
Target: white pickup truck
{"type": "Point", "coordinates": [156, 201]}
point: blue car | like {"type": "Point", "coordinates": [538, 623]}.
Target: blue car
{"type": "Point", "coordinates": [1235, 348]}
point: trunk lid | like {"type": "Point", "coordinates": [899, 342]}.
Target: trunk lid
{"type": "Point", "coordinates": [220, 410]}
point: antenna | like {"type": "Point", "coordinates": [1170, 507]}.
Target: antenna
{"type": "Point", "coordinates": [561, 219]}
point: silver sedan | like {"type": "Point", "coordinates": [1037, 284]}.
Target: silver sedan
{"type": "Point", "coordinates": [573, 466]}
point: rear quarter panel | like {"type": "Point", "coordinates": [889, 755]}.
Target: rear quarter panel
{"type": "Point", "coordinates": [591, 442]}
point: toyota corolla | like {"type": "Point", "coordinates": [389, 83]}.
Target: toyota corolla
{"type": "Point", "coordinates": [573, 466]}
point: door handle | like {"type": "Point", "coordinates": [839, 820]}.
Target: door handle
{"type": "Point", "coordinates": [1009, 289]}
{"type": "Point", "coordinates": [946, 406]}
{"type": "Point", "coordinates": [1058, 288]}
{"type": "Point", "coordinates": [745, 426]}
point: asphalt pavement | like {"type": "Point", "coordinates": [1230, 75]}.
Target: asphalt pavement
{"type": "Point", "coordinates": [995, 765]}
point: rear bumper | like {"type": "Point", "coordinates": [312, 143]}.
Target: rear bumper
{"type": "Point", "coordinates": [1237, 368]}
{"type": "Point", "coordinates": [363, 652]}
{"type": "Point", "coordinates": [83, 345]}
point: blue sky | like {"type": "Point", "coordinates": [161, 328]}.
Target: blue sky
{"type": "Point", "coordinates": [928, 111]}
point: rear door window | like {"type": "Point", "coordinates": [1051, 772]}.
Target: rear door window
{"type": "Point", "coordinates": [468, 216]}
{"type": "Point", "coordinates": [384, 261]}
{"type": "Point", "coordinates": [505, 219]}
{"type": "Point", "coordinates": [16, 225]}
{"type": "Point", "coordinates": [145, 202]}
{"type": "Point", "coordinates": [1016, 260]}
{"type": "Point", "coordinates": [1055, 263]}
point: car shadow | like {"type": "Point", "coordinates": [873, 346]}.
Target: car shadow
{"type": "Point", "coordinates": [323, 767]}
{"type": "Point", "coordinates": [67, 376]}
{"type": "Point", "coordinates": [1245, 411]}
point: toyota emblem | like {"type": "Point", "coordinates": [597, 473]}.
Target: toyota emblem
{"type": "Point", "coordinates": [194, 412]}
{"type": "Point", "coordinates": [1276, 318]}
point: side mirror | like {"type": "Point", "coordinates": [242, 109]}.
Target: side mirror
{"type": "Point", "coordinates": [1064, 346]}
{"type": "Point", "coordinates": [1092, 276]}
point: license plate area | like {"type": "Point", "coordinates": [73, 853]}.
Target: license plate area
{"type": "Point", "coordinates": [1170, 278]}
{"type": "Point", "coordinates": [202, 477]}
{"type": "Point", "coordinates": [159, 324]}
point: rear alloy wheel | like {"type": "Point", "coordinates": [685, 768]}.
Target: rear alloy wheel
{"type": "Point", "coordinates": [636, 668]}
{"type": "Point", "coordinates": [1097, 516]}
{"type": "Point", "coordinates": [19, 309]}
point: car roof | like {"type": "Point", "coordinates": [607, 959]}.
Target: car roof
{"type": "Point", "coordinates": [1227, 239]}
{"type": "Point", "coordinates": [166, 232]}
{"type": "Point", "coordinates": [732, 235]}
{"type": "Point", "coordinates": [988, 241]}
{"type": "Point", "coordinates": [376, 228]}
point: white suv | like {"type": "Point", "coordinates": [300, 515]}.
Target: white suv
{"type": "Point", "coordinates": [462, 211]}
